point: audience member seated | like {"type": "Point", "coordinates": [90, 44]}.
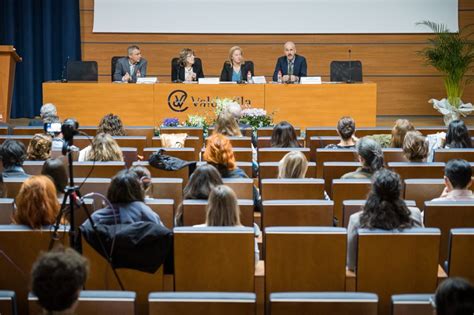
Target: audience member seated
{"type": "Point", "coordinates": [456, 137]}
{"type": "Point", "coordinates": [293, 165]}
{"type": "Point", "coordinates": [345, 129]}
{"type": "Point", "coordinates": [226, 125]}
{"type": "Point", "coordinates": [13, 154]}
{"type": "Point", "coordinates": [235, 110]}
{"type": "Point", "coordinates": [219, 154]}
{"type": "Point", "coordinates": [111, 124]}
{"type": "Point", "coordinates": [186, 69]}
{"type": "Point", "coordinates": [144, 176]}
{"type": "Point", "coordinates": [127, 199]}
{"type": "Point", "coordinates": [284, 136]}
{"type": "Point", "coordinates": [39, 148]}
{"type": "Point", "coordinates": [37, 204]}
{"type": "Point", "coordinates": [199, 186]}
{"type": "Point", "coordinates": [223, 210]}
{"type": "Point", "coordinates": [48, 114]}
{"type": "Point", "coordinates": [454, 296]}
{"type": "Point", "coordinates": [57, 278]}
{"type": "Point", "coordinates": [104, 149]}
{"type": "Point", "coordinates": [56, 170]}
{"type": "Point", "coordinates": [457, 178]}
{"type": "Point", "coordinates": [370, 156]}
{"type": "Point", "coordinates": [415, 147]}
{"type": "Point", "coordinates": [402, 126]}
{"type": "Point", "coordinates": [384, 209]}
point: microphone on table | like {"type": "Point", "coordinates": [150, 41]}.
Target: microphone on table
{"type": "Point", "coordinates": [350, 67]}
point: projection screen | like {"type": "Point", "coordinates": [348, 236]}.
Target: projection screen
{"type": "Point", "coordinates": [271, 16]}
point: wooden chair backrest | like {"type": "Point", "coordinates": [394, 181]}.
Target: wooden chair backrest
{"type": "Point", "coordinates": [408, 170]}
{"type": "Point", "coordinates": [461, 254]}
{"type": "Point", "coordinates": [412, 304]}
{"type": "Point", "coordinates": [333, 155]}
{"type": "Point", "coordinates": [186, 154]}
{"type": "Point", "coordinates": [270, 170]}
{"type": "Point", "coordinates": [194, 212]}
{"type": "Point", "coordinates": [423, 189]}
{"type": "Point", "coordinates": [348, 189]}
{"type": "Point", "coordinates": [294, 188]}
{"type": "Point", "coordinates": [297, 213]}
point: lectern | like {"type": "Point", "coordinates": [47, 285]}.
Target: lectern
{"type": "Point", "coordinates": [8, 60]}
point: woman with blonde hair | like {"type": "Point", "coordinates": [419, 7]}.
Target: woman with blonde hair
{"type": "Point", "coordinates": [236, 69]}
{"type": "Point", "coordinates": [402, 126]}
{"type": "Point", "coordinates": [227, 125]}
{"type": "Point", "coordinates": [415, 147]}
{"type": "Point", "coordinates": [223, 210]}
{"type": "Point", "coordinates": [39, 148]}
{"type": "Point", "coordinates": [186, 67]}
{"type": "Point", "coordinates": [293, 165]}
{"type": "Point", "coordinates": [37, 204]}
{"type": "Point", "coordinates": [104, 148]}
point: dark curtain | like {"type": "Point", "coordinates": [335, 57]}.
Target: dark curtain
{"type": "Point", "coordinates": [46, 33]}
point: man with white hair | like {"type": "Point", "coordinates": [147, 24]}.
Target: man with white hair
{"type": "Point", "coordinates": [291, 67]}
{"type": "Point", "coordinates": [48, 114]}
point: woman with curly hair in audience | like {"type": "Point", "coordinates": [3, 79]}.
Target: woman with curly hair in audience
{"type": "Point", "coordinates": [36, 204]}
{"type": "Point", "coordinates": [219, 154]}
{"type": "Point", "coordinates": [199, 186]}
{"type": "Point", "coordinates": [111, 124]}
{"type": "Point", "coordinates": [345, 129]}
{"type": "Point", "coordinates": [39, 148]}
{"type": "Point", "coordinates": [104, 148]}
{"type": "Point", "coordinates": [370, 156]}
{"type": "Point", "coordinates": [284, 136]}
{"type": "Point", "coordinates": [384, 209]}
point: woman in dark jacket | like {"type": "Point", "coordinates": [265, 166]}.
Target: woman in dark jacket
{"type": "Point", "coordinates": [236, 69]}
{"type": "Point", "coordinates": [187, 68]}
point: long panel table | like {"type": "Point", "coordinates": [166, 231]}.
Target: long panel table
{"type": "Point", "coordinates": [302, 105]}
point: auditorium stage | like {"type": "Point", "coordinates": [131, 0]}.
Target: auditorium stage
{"type": "Point", "coordinates": [150, 104]}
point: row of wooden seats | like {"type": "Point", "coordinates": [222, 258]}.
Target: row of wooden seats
{"type": "Point", "coordinates": [205, 259]}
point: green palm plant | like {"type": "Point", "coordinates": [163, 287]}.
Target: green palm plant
{"type": "Point", "coordinates": [453, 55]}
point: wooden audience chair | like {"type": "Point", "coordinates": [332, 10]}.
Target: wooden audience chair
{"type": "Point", "coordinates": [6, 210]}
{"type": "Point", "coordinates": [270, 170]}
{"type": "Point", "coordinates": [412, 304]}
{"type": "Point", "coordinates": [243, 187]}
{"type": "Point", "coordinates": [34, 167]}
{"type": "Point", "coordinates": [266, 142]}
{"type": "Point", "coordinates": [305, 259]}
{"type": "Point", "coordinates": [393, 155]}
{"type": "Point", "coordinates": [25, 139]}
{"type": "Point", "coordinates": [292, 188]}
{"type": "Point", "coordinates": [139, 142]}
{"type": "Point", "coordinates": [408, 170]}
{"type": "Point", "coordinates": [164, 208]}
{"type": "Point", "coordinates": [461, 254]}
{"type": "Point", "coordinates": [89, 130]}
{"type": "Point", "coordinates": [97, 303]}
{"type": "Point", "coordinates": [239, 142]}
{"type": "Point", "coordinates": [97, 169]}
{"type": "Point", "coordinates": [5, 130]}
{"type": "Point", "coordinates": [349, 207]}
{"type": "Point", "coordinates": [320, 132]}
{"type": "Point", "coordinates": [333, 155]}
{"type": "Point", "coordinates": [276, 154]}
{"type": "Point", "coordinates": [130, 155]}
{"type": "Point", "coordinates": [246, 132]}
{"type": "Point", "coordinates": [423, 189]}
{"type": "Point", "coordinates": [163, 188]}
{"type": "Point", "coordinates": [447, 215]}
{"type": "Point", "coordinates": [321, 303]}
{"type": "Point", "coordinates": [335, 170]}
{"type": "Point", "coordinates": [27, 130]}
{"type": "Point", "coordinates": [191, 142]}
{"type": "Point", "coordinates": [391, 263]}
{"type": "Point", "coordinates": [209, 303]}
{"type": "Point", "coordinates": [187, 154]}
{"type": "Point", "coordinates": [267, 131]}
{"type": "Point", "coordinates": [297, 213]}
{"type": "Point", "coordinates": [19, 249]}
{"type": "Point", "coordinates": [444, 155]}
{"type": "Point", "coordinates": [12, 186]}
{"type": "Point", "coordinates": [141, 131]}
{"type": "Point", "coordinates": [8, 303]}
{"type": "Point", "coordinates": [214, 259]}
{"type": "Point", "coordinates": [322, 142]}
{"type": "Point", "coordinates": [348, 189]}
{"type": "Point", "coordinates": [194, 212]}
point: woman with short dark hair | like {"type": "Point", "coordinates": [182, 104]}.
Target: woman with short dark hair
{"type": "Point", "coordinates": [284, 136]}
{"type": "Point", "coordinates": [12, 155]}
{"type": "Point", "coordinates": [384, 209]}
{"type": "Point", "coordinates": [126, 195]}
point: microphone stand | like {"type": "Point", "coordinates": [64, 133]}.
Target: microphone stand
{"type": "Point", "coordinates": [350, 81]}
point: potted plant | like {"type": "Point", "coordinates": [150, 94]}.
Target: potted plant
{"type": "Point", "coordinates": [452, 54]}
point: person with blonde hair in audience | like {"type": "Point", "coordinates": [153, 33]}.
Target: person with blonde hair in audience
{"type": "Point", "coordinates": [402, 126]}
{"type": "Point", "coordinates": [39, 148]}
{"type": "Point", "coordinates": [370, 155]}
{"type": "Point", "coordinates": [458, 181]}
{"type": "Point", "coordinates": [57, 278]}
{"type": "Point", "coordinates": [199, 186]}
{"type": "Point", "coordinates": [415, 147]}
{"type": "Point", "coordinates": [284, 136]}
{"type": "Point", "coordinates": [226, 125]}
{"type": "Point", "coordinates": [384, 209]}
{"type": "Point", "coordinates": [345, 129]}
{"type": "Point", "coordinates": [56, 170]}
{"type": "Point", "coordinates": [144, 175]}
{"type": "Point", "coordinates": [223, 210]}
{"type": "Point", "coordinates": [104, 148]}
{"type": "Point", "coordinates": [219, 153]}
{"type": "Point", "coordinates": [293, 165]}
{"type": "Point", "coordinates": [37, 203]}
{"type": "Point", "coordinates": [111, 124]}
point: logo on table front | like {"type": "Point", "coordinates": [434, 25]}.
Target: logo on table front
{"type": "Point", "coordinates": [176, 100]}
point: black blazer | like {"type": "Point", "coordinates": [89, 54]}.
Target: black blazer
{"type": "Point", "coordinates": [177, 70]}
{"type": "Point", "coordinates": [226, 73]}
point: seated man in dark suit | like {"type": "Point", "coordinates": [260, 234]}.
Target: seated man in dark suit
{"type": "Point", "coordinates": [128, 69]}
{"type": "Point", "coordinates": [291, 66]}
